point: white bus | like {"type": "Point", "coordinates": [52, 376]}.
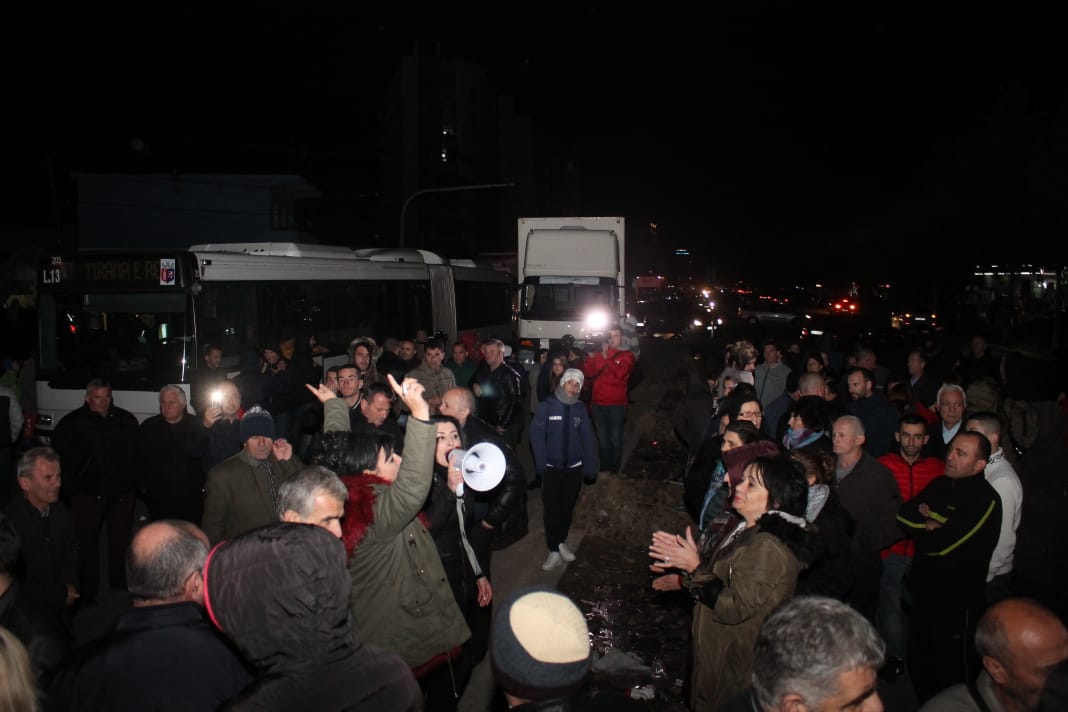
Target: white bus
{"type": "Point", "coordinates": [140, 320]}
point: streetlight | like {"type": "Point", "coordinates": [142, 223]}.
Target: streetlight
{"type": "Point", "coordinates": [451, 189]}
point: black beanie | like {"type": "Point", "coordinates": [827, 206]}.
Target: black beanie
{"type": "Point", "coordinates": [256, 421]}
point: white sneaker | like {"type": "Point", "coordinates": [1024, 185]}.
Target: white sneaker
{"type": "Point", "coordinates": [565, 553]}
{"type": "Point", "coordinates": [552, 561]}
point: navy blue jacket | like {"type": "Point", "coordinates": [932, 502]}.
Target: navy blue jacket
{"type": "Point", "coordinates": [561, 436]}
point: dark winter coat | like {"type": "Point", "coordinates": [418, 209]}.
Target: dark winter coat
{"type": "Point", "coordinates": [49, 552]}
{"type": "Point", "coordinates": [501, 402]}
{"type": "Point", "coordinates": [39, 630]}
{"type": "Point", "coordinates": [442, 520]}
{"type": "Point", "coordinates": [830, 572]}
{"type": "Point", "coordinates": [870, 494]}
{"type": "Point", "coordinates": [281, 593]}
{"type": "Point", "coordinates": [561, 436]}
{"type": "Point", "coordinates": [219, 442]}
{"type": "Point", "coordinates": [505, 506]}
{"type": "Point", "coordinates": [171, 480]}
{"type": "Point", "coordinates": [97, 451]}
{"type": "Point", "coordinates": [164, 657]}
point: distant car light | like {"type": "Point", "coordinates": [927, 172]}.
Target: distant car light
{"type": "Point", "coordinates": [697, 322]}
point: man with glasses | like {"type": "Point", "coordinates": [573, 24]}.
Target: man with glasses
{"type": "Point", "coordinates": [163, 649]}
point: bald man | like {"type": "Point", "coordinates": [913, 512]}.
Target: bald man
{"type": "Point", "coordinates": [1020, 641]}
{"type": "Point", "coordinates": [162, 654]}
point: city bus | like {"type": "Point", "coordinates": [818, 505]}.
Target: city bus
{"type": "Point", "coordinates": [140, 320]}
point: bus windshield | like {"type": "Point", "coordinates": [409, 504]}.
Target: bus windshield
{"type": "Point", "coordinates": [134, 340]}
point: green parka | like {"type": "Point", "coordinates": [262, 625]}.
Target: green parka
{"type": "Point", "coordinates": [401, 599]}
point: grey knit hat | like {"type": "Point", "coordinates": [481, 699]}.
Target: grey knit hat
{"type": "Point", "coordinates": [540, 645]}
{"type": "Point", "coordinates": [573, 374]}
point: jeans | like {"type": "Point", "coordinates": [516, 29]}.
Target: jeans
{"type": "Point", "coordinates": [893, 621]}
{"type": "Point", "coordinates": [608, 420]}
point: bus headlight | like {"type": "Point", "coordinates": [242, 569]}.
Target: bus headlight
{"type": "Point", "coordinates": [597, 321]}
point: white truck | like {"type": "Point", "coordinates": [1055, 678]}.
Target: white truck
{"type": "Point", "coordinates": [571, 278]}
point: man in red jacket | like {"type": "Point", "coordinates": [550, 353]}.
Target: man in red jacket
{"type": "Point", "coordinates": [609, 371]}
{"type": "Point", "coordinates": [913, 472]}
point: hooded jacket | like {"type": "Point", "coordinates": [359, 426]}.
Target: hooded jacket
{"type": "Point", "coordinates": [401, 599]}
{"type": "Point", "coordinates": [281, 593]}
{"type": "Point", "coordinates": [561, 435]}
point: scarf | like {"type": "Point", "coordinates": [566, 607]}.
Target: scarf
{"type": "Point", "coordinates": [794, 439]}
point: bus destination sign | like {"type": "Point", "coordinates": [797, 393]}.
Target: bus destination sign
{"type": "Point", "coordinates": [116, 271]}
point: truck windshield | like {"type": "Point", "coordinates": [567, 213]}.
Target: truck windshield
{"type": "Point", "coordinates": [565, 301]}
{"type": "Point", "coordinates": [134, 340]}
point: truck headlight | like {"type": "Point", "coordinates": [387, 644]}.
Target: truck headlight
{"type": "Point", "coordinates": [597, 320]}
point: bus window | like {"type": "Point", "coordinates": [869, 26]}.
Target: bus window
{"type": "Point", "coordinates": [226, 317]}
{"type": "Point", "coordinates": [484, 306]}
{"type": "Point", "coordinates": [125, 337]}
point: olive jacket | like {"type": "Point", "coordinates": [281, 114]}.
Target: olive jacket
{"type": "Point", "coordinates": [401, 598]}
{"type": "Point", "coordinates": [754, 574]}
{"type": "Point", "coordinates": [237, 497]}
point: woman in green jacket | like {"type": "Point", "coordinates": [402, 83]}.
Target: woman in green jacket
{"type": "Point", "coordinates": [401, 598]}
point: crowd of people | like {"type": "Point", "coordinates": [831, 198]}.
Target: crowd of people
{"type": "Point", "coordinates": [310, 542]}
{"type": "Point", "coordinates": [894, 493]}
{"type": "Point", "coordinates": [366, 451]}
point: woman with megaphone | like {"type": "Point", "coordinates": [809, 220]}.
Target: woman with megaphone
{"type": "Point", "coordinates": [447, 519]}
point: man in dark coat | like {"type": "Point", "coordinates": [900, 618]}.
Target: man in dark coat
{"type": "Point", "coordinates": [96, 444]}
{"type": "Point", "coordinates": [868, 491]}
{"type": "Point", "coordinates": [162, 654]}
{"type": "Point", "coordinates": [173, 486]}
{"type": "Point", "coordinates": [216, 438]}
{"type": "Point", "coordinates": [48, 564]}
{"type": "Point", "coordinates": [21, 612]}
{"type": "Point", "coordinates": [499, 391]}
{"type": "Point", "coordinates": [503, 510]}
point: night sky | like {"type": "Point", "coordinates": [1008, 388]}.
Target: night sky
{"type": "Point", "coordinates": [774, 136]}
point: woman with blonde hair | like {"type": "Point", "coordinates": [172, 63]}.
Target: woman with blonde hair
{"type": "Point", "coordinates": [17, 690]}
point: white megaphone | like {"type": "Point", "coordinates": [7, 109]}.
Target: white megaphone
{"type": "Point", "coordinates": [482, 467]}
